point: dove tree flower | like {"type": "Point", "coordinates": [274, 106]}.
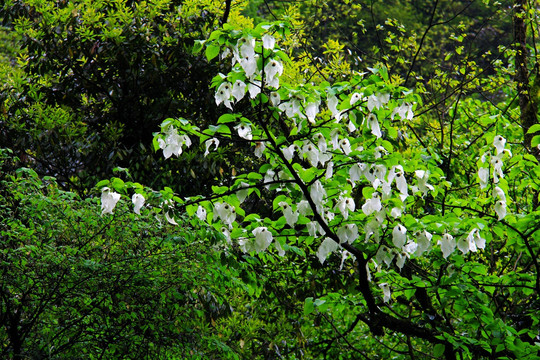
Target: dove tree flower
{"type": "Point", "coordinates": [109, 199]}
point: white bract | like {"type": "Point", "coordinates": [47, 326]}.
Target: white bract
{"type": "Point", "coordinates": [263, 238]}
{"type": "Point", "coordinates": [108, 200]}
{"type": "Point", "coordinates": [208, 143]}
{"type": "Point", "coordinates": [290, 216]}
{"type": "Point", "coordinates": [201, 213]}
{"type": "Point", "coordinates": [138, 202]}
{"type": "Point", "coordinates": [326, 248]}
{"type": "Point", "coordinates": [448, 245]}
{"type": "Point", "coordinates": [244, 131]}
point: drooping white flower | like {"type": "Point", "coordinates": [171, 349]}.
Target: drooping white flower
{"type": "Point", "coordinates": [314, 228]}
{"type": "Point", "coordinates": [475, 240]}
{"type": "Point", "coordinates": [173, 142]}
{"type": "Point", "coordinates": [344, 205]}
{"type": "Point", "coordinates": [312, 109]}
{"type": "Point", "coordinates": [404, 111]}
{"type": "Point", "coordinates": [483, 175]}
{"type": "Point", "coordinates": [290, 216]}
{"type": "Point", "coordinates": [499, 143]}
{"type": "Point", "coordinates": [333, 102]}
{"type": "Point", "coordinates": [244, 131]}
{"type": "Point", "coordinates": [399, 236]}
{"type": "Point", "coordinates": [303, 207]}
{"type": "Point", "coordinates": [108, 200]}
{"type": "Point", "coordinates": [263, 238]}
{"type": "Point", "coordinates": [170, 219]}
{"type": "Point", "coordinates": [373, 124]}
{"type": "Point", "coordinates": [329, 170]}
{"type": "Point", "coordinates": [208, 143]}
{"type": "Point", "coordinates": [321, 142]}
{"type": "Point", "coordinates": [384, 254]}
{"type": "Point", "coordinates": [223, 94]}
{"type": "Point", "coordinates": [500, 209]}
{"type": "Point", "coordinates": [238, 90]}
{"type": "Point", "coordinates": [246, 46]}
{"type": "Point", "coordinates": [401, 183]}
{"type": "Point", "coordinates": [288, 152]}
{"type": "Point", "coordinates": [372, 205]}
{"type": "Point", "coordinates": [269, 177]}
{"type": "Point", "coordinates": [225, 212]}
{"type": "Point", "coordinates": [347, 233]}
{"type": "Point", "coordinates": [249, 64]}
{"type": "Point", "coordinates": [275, 98]}
{"type": "Point", "coordinates": [138, 202]}
{"type": "Point", "coordinates": [355, 98]}
{"type": "Point", "coordinates": [423, 177]}
{"type": "Point", "coordinates": [311, 153]}
{"type": "Point", "coordinates": [272, 69]}
{"type": "Point", "coordinates": [377, 100]}
{"type": "Point", "coordinates": [326, 248]}
{"type": "Point", "coordinates": [423, 240]}
{"type": "Point", "coordinates": [387, 294]}
{"type": "Point", "coordinates": [268, 41]}
{"type": "Point", "coordinates": [497, 169]}
{"type": "Point", "coordinates": [498, 193]}
{"type": "Point", "coordinates": [260, 146]}
{"type": "Point", "coordinates": [448, 245]}
{"type": "Point", "coordinates": [254, 88]}
{"type": "Point", "coordinates": [400, 260]}
{"type": "Point", "coordinates": [345, 146]}
{"type": "Point", "coordinates": [201, 213]}
{"type": "Point", "coordinates": [317, 193]}
{"type": "Point", "coordinates": [357, 171]}
{"type": "Point", "coordinates": [280, 250]}
{"type": "Point", "coordinates": [227, 234]}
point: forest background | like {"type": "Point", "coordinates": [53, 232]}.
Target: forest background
{"type": "Point", "coordinates": [94, 91]}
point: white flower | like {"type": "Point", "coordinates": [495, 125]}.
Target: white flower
{"type": "Point", "coordinates": [401, 182]}
{"type": "Point", "coordinates": [345, 146]}
{"type": "Point", "coordinates": [170, 219]}
{"type": "Point", "coordinates": [400, 260]}
{"type": "Point", "coordinates": [423, 177]}
{"type": "Point", "coordinates": [499, 143]}
{"type": "Point", "coordinates": [244, 131]}
{"type": "Point", "coordinates": [329, 170]}
{"type": "Point", "coordinates": [385, 255]}
{"type": "Point", "coordinates": [209, 143]}
{"type": "Point", "coordinates": [372, 205]}
{"type": "Point", "coordinates": [247, 46]}
{"type": "Point", "coordinates": [399, 236]}
{"type": "Point", "coordinates": [303, 207]}
{"type": "Point", "coordinates": [347, 233]}
{"type": "Point", "coordinates": [288, 152]}
{"type": "Point", "coordinates": [344, 205]}
{"type": "Point", "coordinates": [475, 240]}
{"type": "Point", "coordinates": [448, 245]}
{"type": "Point", "coordinates": [227, 235]}
{"type": "Point", "coordinates": [423, 240]}
{"type": "Point", "coordinates": [260, 146]}
{"type": "Point", "coordinates": [249, 64]}
{"type": "Point", "coordinates": [356, 171]}
{"type": "Point", "coordinates": [497, 169]}
{"type": "Point", "coordinates": [317, 193]}
{"type": "Point", "coordinates": [332, 106]}
{"type": "Point", "coordinates": [172, 145]}
{"type": "Point", "coordinates": [263, 238]}
{"type": "Point", "coordinates": [500, 209]}
{"type": "Point", "coordinates": [254, 88]}
{"type": "Point", "coordinates": [373, 124]}
{"type": "Point", "coordinates": [223, 94]}
{"type": "Point", "coordinates": [238, 90]}
{"type": "Point", "coordinates": [268, 41]}
{"type": "Point", "coordinates": [355, 98]}
{"type": "Point", "coordinates": [376, 101]}
{"type": "Point", "coordinates": [312, 153]}
{"type": "Point", "coordinates": [274, 98]}
{"type": "Point", "coordinates": [273, 68]}
{"type": "Point", "coordinates": [326, 248]}
{"type": "Point", "coordinates": [404, 111]}
{"type": "Point", "coordinates": [498, 193]}
{"type": "Point", "coordinates": [387, 295]}
{"type": "Point", "coordinates": [290, 216]}
{"type": "Point", "coordinates": [108, 200]}
{"type": "Point", "coordinates": [225, 212]}
{"type": "Point", "coordinates": [483, 175]}
{"type": "Point", "coordinates": [311, 111]}
{"type": "Point", "coordinates": [201, 213]}
{"type": "Point", "coordinates": [280, 250]}
{"type": "Point", "coordinates": [321, 142]}
{"type": "Point", "coordinates": [138, 202]}
{"type": "Point", "coordinates": [314, 228]}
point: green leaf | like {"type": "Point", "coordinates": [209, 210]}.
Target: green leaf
{"type": "Point", "coordinates": [534, 129]}
{"type": "Point", "coordinates": [438, 350]}
{"type": "Point", "coordinates": [308, 306]}
{"type": "Point", "coordinates": [212, 51]}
